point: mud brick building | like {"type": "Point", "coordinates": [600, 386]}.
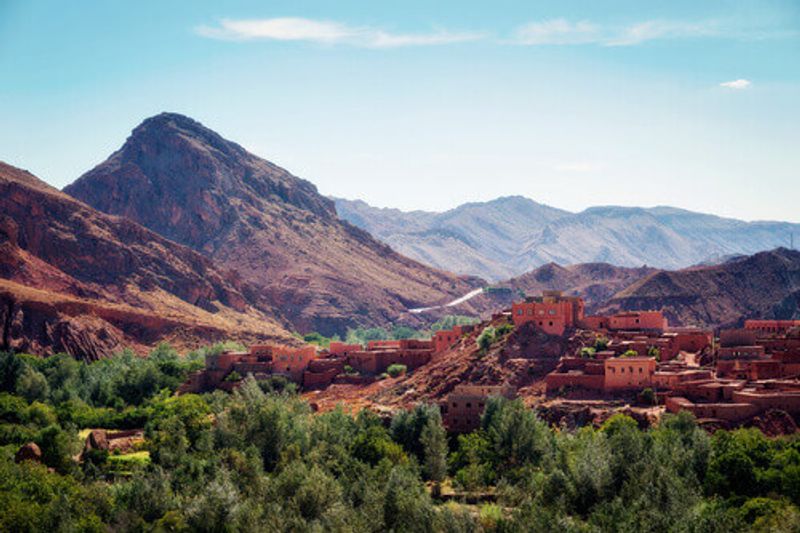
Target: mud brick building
{"type": "Point", "coordinates": [464, 406]}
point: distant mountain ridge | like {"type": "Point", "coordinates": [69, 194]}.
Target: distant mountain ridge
{"type": "Point", "coordinates": [763, 285]}
{"type": "Point", "coordinates": [516, 235]}
{"type": "Point", "coordinates": [274, 230]}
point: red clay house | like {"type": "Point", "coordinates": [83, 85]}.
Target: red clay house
{"type": "Point", "coordinates": [552, 312]}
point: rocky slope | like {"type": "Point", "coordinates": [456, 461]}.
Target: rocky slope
{"type": "Point", "coordinates": [76, 280]}
{"type": "Point", "coordinates": [187, 183]}
{"type": "Point", "coordinates": [510, 236]}
{"type": "Point", "coordinates": [521, 358]}
{"type": "Point", "coordinates": [764, 285]}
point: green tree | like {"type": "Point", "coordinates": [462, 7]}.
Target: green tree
{"type": "Point", "coordinates": [434, 443]}
{"type": "Point", "coordinates": [32, 385]}
{"type": "Point", "coordinates": [396, 370]}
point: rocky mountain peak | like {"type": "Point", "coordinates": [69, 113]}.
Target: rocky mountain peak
{"type": "Point", "coordinates": [187, 182]}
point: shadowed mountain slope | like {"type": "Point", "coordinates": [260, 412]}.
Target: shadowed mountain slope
{"type": "Point", "coordinates": [764, 285]}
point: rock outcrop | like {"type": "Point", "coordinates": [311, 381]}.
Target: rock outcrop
{"type": "Point", "coordinates": [28, 452]}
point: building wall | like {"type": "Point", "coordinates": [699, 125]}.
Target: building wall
{"type": "Point", "coordinates": [552, 312]}
{"type": "Point", "coordinates": [554, 381]}
{"type": "Point", "coordinates": [737, 337]}
{"type": "Point", "coordinates": [692, 339]}
{"type": "Point", "coordinates": [786, 400]}
{"type": "Point", "coordinates": [595, 322]}
{"type": "Point", "coordinates": [638, 320]}
{"type": "Point", "coordinates": [462, 410]}
{"type": "Point", "coordinates": [444, 339]}
{"type": "Point", "coordinates": [341, 348]}
{"type": "Point", "coordinates": [733, 412]}
{"type": "Point", "coordinates": [292, 361]}
{"type": "Point", "coordinates": [629, 372]}
{"type": "Point", "coordinates": [550, 318]}
{"type": "Point", "coordinates": [771, 327]}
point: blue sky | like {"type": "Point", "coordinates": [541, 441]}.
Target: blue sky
{"type": "Point", "coordinates": [426, 105]}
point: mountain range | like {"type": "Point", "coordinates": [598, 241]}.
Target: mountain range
{"type": "Point", "coordinates": [762, 285]}
{"type": "Point", "coordinates": [184, 236]}
{"type": "Point", "coordinates": [512, 235]}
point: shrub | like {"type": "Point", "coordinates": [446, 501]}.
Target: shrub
{"type": "Point", "coordinates": [449, 321]}
{"type": "Point", "coordinates": [317, 338]}
{"type": "Point", "coordinates": [630, 353]}
{"type": "Point", "coordinates": [648, 396]}
{"type": "Point", "coordinates": [396, 370]}
{"type": "Point", "coordinates": [486, 338]}
{"type": "Point", "coordinates": [600, 343]}
{"type": "Point", "coordinates": [587, 352]}
{"type": "Point", "coordinates": [504, 329]}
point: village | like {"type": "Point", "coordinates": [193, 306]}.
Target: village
{"type": "Point", "coordinates": [727, 376]}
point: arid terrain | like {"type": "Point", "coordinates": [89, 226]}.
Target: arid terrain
{"type": "Point", "coordinates": [75, 280]}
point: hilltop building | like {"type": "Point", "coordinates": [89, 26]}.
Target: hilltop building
{"type": "Point", "coordinates": [552, 312]}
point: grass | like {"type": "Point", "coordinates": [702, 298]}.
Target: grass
{"type": "Point", "coordinates": [126, 464]}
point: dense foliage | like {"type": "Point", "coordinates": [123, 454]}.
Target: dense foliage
{"type": "Point", "coordinates": [260, 459]}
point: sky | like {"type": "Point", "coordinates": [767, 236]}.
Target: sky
{"type": "Point", "coordinates": [427, 105]}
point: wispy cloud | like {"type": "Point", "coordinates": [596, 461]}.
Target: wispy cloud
{"type": "Point", "coordinates": [564, 32]}
{"type": "Point", "coordinates": [663, 29]}
{"type": "Point", "coordinates": [557, 31]}
{"type": "Point", "coordinates": [576, 166]}
{"type": "Point", "coordinates": [327, 32]}
{"type": "Point", "coordinates": [738, 85]}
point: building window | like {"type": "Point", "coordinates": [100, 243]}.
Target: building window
{"type": "Point", "coordinates": [552, 311]}
{"type": "Point", "coordinates": [469, 404]}
{"type": "Point", "coordinates": [551, 322]}
{"type": "Point", "coordinates": [520, 311]}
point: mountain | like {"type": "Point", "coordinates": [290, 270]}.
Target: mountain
{"type": "Point", "coordinates": [481, 239]}
{"type": "Point", "coordinates": [596, 283]}
{"type": "Point", "coordinates": [185, 182]}
{"type": "Point", "coordinates": [510, 236]}
{"type": "Point", "coordinates": [763, 285]}
{"type": "Point", "coordinates": [76, 280]}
